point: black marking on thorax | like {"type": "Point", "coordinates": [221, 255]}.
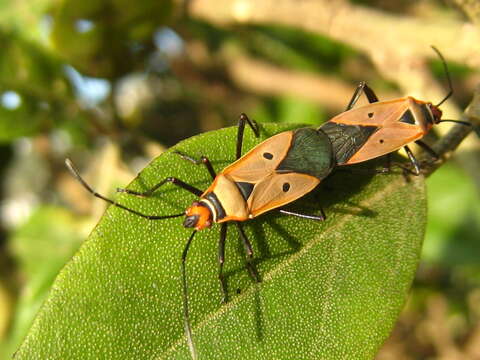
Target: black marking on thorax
{"type": "Point", "coordinates": [407, 117]}
{"type": "Point", "coordinates": [213, 199]}
{"type": "Point", "coordinates": [245, 188]}
{"type": "Point", "coordinates": [427, 113]}
{"type": "Point", "coordinates": [347, 140]}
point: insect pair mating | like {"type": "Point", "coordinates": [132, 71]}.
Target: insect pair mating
{"type": "Point", "coordinates": [289, 165]}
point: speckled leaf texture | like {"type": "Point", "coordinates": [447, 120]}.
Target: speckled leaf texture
{"type": "Point", "coordinates": [329, 290]}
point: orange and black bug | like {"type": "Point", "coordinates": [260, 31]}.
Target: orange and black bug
{"type": "Point", "coordinates": [275, 173]}
{"type": "Point", "coordinates": [383, 127]}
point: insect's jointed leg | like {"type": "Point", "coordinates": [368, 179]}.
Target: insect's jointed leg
{"type": "Point", "coordinates": [172, 180]}
{"type": "Point", "coordinates": [428, 149]}
{"type": "Point", "coordinates": [248, 251]}
{"type": "Point", "coordinates": [221, 260]}
{"type": "Point", "coordinates": [203, 160]}
{"type": "Point", "coordinates": [365, 89]}
{"type": "Point", "coordinates": [413, 160]}
{"type": "Point", "coordinates": [241, 128]}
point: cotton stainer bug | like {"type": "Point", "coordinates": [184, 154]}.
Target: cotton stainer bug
{"type": "Point", "coordinates": [276, 172]}
{"type": "Point", "coordinates": [380, 128]}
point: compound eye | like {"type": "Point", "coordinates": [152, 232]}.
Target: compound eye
{"type": "Point", "coordinates": [191, 221]}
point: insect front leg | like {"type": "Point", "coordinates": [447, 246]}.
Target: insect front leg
{"type": "Point", "coordinates": [242, 121]}
{"type": "Point", "coordinates": [428, 149]}
{"type": "Point", "coordinates": [414, 162]}
{"type": "Point", "coordinates": [203, 160]}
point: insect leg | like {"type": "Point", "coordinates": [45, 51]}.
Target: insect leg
{"type": "Point", "coordinates": [356, 95]}
{"type": "Point", "coordinates": [362, 88]}
{"type": "Point", "coordinates": [413, 160]}
{"type": "Point", "coordinates": [75, 173]}
{"type": "Point", "coordinates": [221, 260]}
{"type": "Point", "coordinates": [388, 163]}
{"type": "Point", "coordinates": [203, 160]}
{"type": "Point", "coordinates": [186, 315]}
{"type": "Point", "coordinates": [428, 149]}
{"type": "Point", "coordinates": [370, 94]}
{"type": "Point", "coordinates": [241, 128]}
{"type": "Point", "coordinates": [248, 251]}
{"type": "Point", "coordinates": [322, 217]}
{"type": "Point", "coordinates": [172, 180]}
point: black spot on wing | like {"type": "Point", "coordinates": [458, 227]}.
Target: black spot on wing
{"type": "Point", "coordinates": [268, 155]}
{"type": "Point", "coordinates": [286, 187]}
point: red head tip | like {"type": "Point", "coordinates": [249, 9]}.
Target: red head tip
{"type": "Point", "coordinates": [198, 216]}
{"type": "Point", "coordinates": [436, 112]}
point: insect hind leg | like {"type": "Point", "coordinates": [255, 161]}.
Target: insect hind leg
{"type": "Point", "coordinates": [248, 252]}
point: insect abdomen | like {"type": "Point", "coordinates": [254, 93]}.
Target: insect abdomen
{"type": "Point", "coordinates": [346, 140]}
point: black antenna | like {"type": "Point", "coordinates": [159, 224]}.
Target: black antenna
{"type": "Point", "coordinates": [466, 123]}
{"type": "Point", "coordinates": [75, 173]}
{"type": "Point", "coordinates": [450, 92]}
{"type": "Point", "coordinates": [186, 313]}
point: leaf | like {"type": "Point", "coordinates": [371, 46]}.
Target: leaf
{"type": "Point", "coordinates": [330, 290]}
{"type": "Point", "coordinates": [41, 248]}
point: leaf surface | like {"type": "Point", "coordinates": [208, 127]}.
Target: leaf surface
{"type": "Point", "coordinates": [329, 290]}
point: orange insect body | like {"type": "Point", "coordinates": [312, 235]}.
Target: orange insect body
{"type": "Point", "coordinates": [257, 183]}
{"type": "Point", "coordinates": [370, 131]}
{"type": "Point", "coordinates": [373, 130]}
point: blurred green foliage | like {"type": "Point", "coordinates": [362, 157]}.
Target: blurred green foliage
{"type": "Point", "coordinates": [78, 76]}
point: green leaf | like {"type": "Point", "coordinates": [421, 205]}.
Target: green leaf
{"type": "Point", "coordinates": [330, 290]}
{"type": "Point", "coordinates": [41, 248]}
